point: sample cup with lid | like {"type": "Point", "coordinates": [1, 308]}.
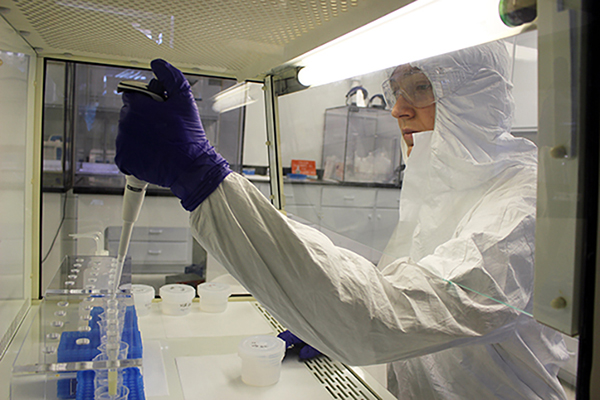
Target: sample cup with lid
{"type": "Point", "coordinates": [142, 298]}
{"type": "Point", "coordinates": [213, 296]}
{"type": "Point", "coordinates": [176, 299]}
{"type": "Point", "coordinates": [261, 359]}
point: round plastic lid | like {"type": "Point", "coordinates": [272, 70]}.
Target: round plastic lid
{"type": "Point", "coordinates": [214, 291]}
{"type": "Point", "coordinates": [142, 292]}
{"type": "Point", "coordinates": [177, 293]}
{"type": "Point", "coordinates": [262, 347]}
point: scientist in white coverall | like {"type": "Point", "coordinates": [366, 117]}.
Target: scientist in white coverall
{"type": "Point", "coordinates": [448, 304]}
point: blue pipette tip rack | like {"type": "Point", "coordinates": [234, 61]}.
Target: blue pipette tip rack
{"type": "Point", "coordinates": [70, 351]}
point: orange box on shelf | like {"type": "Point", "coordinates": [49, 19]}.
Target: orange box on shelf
{"type": "Point", "coordinates": [304, 167]}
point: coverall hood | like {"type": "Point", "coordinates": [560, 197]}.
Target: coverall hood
{"type": "Point", "coordinates": [452, 166]}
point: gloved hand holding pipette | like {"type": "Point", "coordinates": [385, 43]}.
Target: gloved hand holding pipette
{"type": "Point", "coordinates": [164, 142]}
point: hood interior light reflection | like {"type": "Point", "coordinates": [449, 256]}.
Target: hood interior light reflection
{"type": "Point", "coordinates": [237, 96]}
{"type": "Point", "coordinates": [422, 29]}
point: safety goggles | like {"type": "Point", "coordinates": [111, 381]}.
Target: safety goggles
{"type": "Point", "coordinates": [410, 83]}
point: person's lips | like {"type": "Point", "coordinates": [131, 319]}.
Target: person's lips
{"type": "Point", "coordinates": [407, 133]}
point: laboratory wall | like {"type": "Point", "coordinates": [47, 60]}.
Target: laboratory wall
{"type": "Point", "coordinates": [17, 70]}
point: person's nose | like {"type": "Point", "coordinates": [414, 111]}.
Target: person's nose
{"type": "Point", "coordinates": [402, 109]}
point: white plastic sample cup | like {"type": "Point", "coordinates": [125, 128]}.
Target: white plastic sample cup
{"type": "Point", "coordinates": [176, 299]}
{"type": "Point", "coordinates": [261, 359]}
{"type": "Point", "coordinates": [214, 296]}
{"type": "Point", "coordinates": [142, 298]}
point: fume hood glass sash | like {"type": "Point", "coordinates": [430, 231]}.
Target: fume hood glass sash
{"type": "Point", "coordinates": [17, 72]}
{"type": "Point", "coordinates": [561, 215]}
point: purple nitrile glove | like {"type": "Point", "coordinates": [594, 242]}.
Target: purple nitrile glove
{"type": "Point", "coordinates": [164, 142]}
{"type": "Point", "coordinates": [306, 351]}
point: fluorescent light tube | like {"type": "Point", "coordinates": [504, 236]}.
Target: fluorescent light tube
{"type": "Point", "coordinates": [236, 96]}
{"type": "Point", "coordinates": [422, 29]}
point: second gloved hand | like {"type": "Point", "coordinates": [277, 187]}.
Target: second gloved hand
{"type": "Point", "coordinates": [292, 341]}
{"type": "Point", "coordinates": [164, 142]}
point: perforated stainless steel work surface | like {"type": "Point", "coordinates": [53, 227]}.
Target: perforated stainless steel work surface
{"type": "Point", "coordinates": [242, 38]}
{"type": "Point", "coordinates": [340, 381]}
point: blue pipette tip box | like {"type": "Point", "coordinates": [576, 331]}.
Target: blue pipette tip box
{"type": "Point", "coordinates": [71, 351]}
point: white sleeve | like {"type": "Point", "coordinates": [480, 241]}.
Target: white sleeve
{"type": "Point", "coordinates": [336, 300]}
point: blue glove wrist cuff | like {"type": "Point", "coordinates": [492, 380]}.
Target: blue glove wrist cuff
{"type": "Point", "coordinates": [200, 180]}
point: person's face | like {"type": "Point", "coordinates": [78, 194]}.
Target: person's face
{"type": "Point", "coordinates": [412, 119]}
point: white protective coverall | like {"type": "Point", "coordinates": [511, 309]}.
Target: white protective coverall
{"type": "Point", "coordinates": [465, 235]}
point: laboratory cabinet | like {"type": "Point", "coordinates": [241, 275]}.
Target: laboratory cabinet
{"type": "Point", "coordinates": [355, 217]}
{"type": "Point", "coordinates": [389, 198]}
{"type": "Point", "coordinates": [154, 249]}
{"type": "Point", "coordinates": [348, 197]}
{"type": "Point", "coordinates": [304, 203]}
{"type": "Point", "coordinates": [384, 224]}
{"type": "Point", "coordinates": [349, 211]}
{"type": "Point", "coordinates": [354, 223]}
{"type": "Point", "coordinates": [357, 214]}
{"type": "Point", "coordinates": [309, 214]}
{"type": "Point", "coordinates": [307, 195]}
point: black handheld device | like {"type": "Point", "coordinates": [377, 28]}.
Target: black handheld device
{"type": "Point", "coordinates": [154, 88]}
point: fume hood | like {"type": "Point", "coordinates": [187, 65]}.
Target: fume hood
{"type": "Point", "coordinates": [280, 47]}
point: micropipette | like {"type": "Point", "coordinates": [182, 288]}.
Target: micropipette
{"type": "Point", "coordinates": [135, 189]}
{"type": "Point", "coordinates": [133, 198]}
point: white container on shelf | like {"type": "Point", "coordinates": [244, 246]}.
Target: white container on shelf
{"type": "Point", "coordinates": [214, 296]}
{"type": "Point", "coordinates": [261, 359]}
{"type": "Point", "coordinates": [142, 298]}
{"type": "Point", "coordinates": [176, 299]}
